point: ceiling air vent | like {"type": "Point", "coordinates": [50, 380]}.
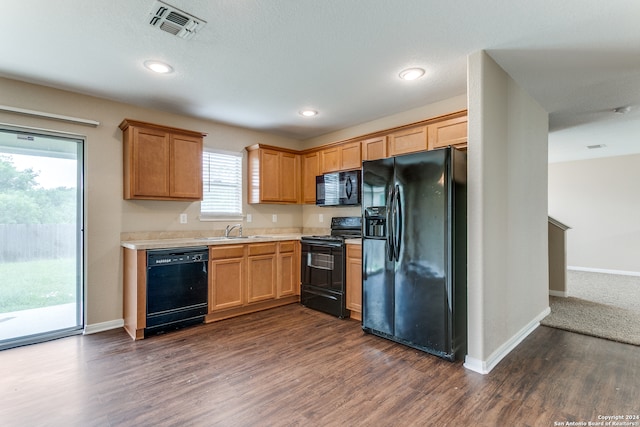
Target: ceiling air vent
{"type": "Point", "coordinates": [594, 147]}
{"type": "Point", "coordinates": [174, 21]}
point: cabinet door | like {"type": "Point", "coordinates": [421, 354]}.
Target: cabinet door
{"type": "Point", "coordinates": [261, 268]}
{"type": "Point", "coordinates": [354, 280]}
{"type": "Point", "coordinates": [186, 167]}
{"type": "Point", "coordinates": [288, 270]}
{"type": "Point", "coordinates": [350, 156]}
{"type": "Point", "coordinates": [227, 277]}
{"type": "Point", "coordinates": [150, 163]}
{"type": "Point", "coordinates": [226, 283]}
{"type": "Point", "coordinates": [330, 158]}
{"type": "Point", "coordinates": [310, 169]}
{"type": "Point", "coordinates": [289, 177]}
{"type": "Point", "coordinates": [408, 141]}
{"type": "Point", "coordinates": [374, 148]}
{"type": "Point", "coordinates": [448, 132]}
{"type": "Point", "coordinates": [269, 175]}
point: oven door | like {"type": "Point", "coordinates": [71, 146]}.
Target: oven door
{"type": "Point", "coordinates": [323, 266]}
{"type": "Point", "coordinates": [323, 279]}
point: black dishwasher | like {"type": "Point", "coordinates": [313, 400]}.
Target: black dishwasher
{"type": "Point", "coordinates": [177, 288]}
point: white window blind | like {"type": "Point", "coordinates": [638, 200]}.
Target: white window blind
{"type": "Point", "coordinates": [222, 181]}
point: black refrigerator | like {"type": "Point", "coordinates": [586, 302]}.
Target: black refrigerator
{"type": "Point", "coordinates": [414, 251]}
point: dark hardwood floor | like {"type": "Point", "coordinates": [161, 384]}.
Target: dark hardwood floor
{"type": "Point", "coordinates": [292, 366]}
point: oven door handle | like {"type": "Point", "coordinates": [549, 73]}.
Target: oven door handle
{"type": "Point", "coordinates": [321, 294]}
{"type": "Point", "coordinates": [320, 261]}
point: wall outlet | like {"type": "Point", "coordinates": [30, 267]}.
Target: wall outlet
{"type": "Point", "coordinates": [320, 218]}
{"type": "Point", "coordinates": [249, 218]}
{"type": "Point", "coordinates": [183, 218]}
{"type": "Point", "coordinates": [274, 218]}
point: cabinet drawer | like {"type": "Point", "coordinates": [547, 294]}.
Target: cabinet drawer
{"type": "Point", "coordinates": [262, 249]}
{"type": "Point", "coordinates": [226, 251]}
{"type": "Point", "coordinates": [287, 247]}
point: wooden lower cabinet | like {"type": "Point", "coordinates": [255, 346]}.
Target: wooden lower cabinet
{"type": "Point", "coordinates": [227, 277]}
{"type": "Point", "coordinates": [135, 292]}
{"type": "Point", "coordinates": [354, 280]}
{"type": "Point", "coordinates": [262, 265]}
{"type": "Point", "coordinates": [252, 277]}
{"type": "Point", "coordinates": [288, 269]}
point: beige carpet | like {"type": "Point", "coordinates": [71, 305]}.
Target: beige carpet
{"type": "Point", "coordinates": [601, 305]}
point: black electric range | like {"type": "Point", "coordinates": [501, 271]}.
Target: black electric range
{"type": "Point", "coordinates": [323, 267]}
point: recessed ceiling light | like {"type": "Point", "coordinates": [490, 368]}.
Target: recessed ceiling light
{"type": "Point", "coordinates": [158, 67]}
{"type": "Point", "coordinates": [411, 73]}
{"type": "Point", "coordinates": [308, 113]}
{"type": "Point", "coordinates": [622, 110]}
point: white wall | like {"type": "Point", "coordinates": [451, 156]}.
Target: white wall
{"type": "Point", "coordinates": [107, 214]}
{"type": "Point", "coordinates": [599, 199]}
{"type": "Point", "coordinates": [507, 213]}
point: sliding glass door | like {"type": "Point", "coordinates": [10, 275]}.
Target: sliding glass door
{"type": "Point", "coordinates": [41, 223]}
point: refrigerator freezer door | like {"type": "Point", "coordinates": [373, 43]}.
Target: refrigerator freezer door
{"type": "Point", "coordinates": [377, 269]}
{"type": "Point", "coordinates": [422, 307]}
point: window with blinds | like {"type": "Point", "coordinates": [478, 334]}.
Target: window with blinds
{"type": "Point", "coordinates": [222, 181]}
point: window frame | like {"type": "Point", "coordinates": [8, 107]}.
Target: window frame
{"type": "Point", "coordinates": [221, 216]}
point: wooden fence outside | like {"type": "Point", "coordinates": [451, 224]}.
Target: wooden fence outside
{"type": "Point", "coordinates": [26, 242]}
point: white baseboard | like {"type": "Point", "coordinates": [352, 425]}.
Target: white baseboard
{"type": "Point", "coordinates": [485, 366]}
{"type": "Point", "coordinates": [602, 270]}
{"type": "Point", "coordinates": [562, 294]}
{"type": "Point", "coordinates": [103, 326]}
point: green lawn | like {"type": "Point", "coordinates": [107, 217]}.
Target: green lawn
{"type": "Point", "coordinates": [34, 284]}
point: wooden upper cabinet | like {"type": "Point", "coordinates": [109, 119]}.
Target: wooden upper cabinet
{"type": "Point", "coordinates": [186, 167]}
{"type": "Point", "coordinates": [448, 132]}
{"type": "Point", "coordinates": [341, 157]}
{"type": "Point", "coordinates": [289, 177]}
{"type": "Point", "coordinates": [310, 169]}
{"type": "Point", "coordinates": [330, 159]}
{"type": "Point", "coordinates": [408, 141]}
{"type": "Point", "coordinates": [161, 163]}
{"type": "Point", "coordinates": [274, 175]}
{"type": "Point", "coordinates": [350, 156]}
{"type": "Point", "coordinates": [374, 148]}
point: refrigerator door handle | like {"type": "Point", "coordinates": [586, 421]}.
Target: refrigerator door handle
{"type": "Point", "coordinates": [390, 236]}
{"type": "Point", "coordinates": [397, 223]}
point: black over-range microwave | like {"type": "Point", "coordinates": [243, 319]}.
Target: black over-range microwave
{"type": "Point", "coordinates": [338, 189]}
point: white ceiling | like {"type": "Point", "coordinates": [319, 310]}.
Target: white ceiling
{"type": "Point", "coordinates": [256, 63]}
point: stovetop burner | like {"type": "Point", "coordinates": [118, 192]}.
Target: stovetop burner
{"type": "Point", "coordinates": [342, 227]}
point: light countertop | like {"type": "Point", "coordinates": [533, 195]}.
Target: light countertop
{"type": "Point", "coordinates": [204, 241]}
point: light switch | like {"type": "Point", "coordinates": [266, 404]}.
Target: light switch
{"type": "Point", "coordinates": [183, 218]}
{"type": "Point", "coordinates": [320, 218]}
{"type": "Point", "coordinates": [249, 218]}
{"type": "Point", "coordinates": [274, 218]}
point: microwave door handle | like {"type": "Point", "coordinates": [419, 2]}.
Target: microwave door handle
{"type": "Point", "coordinates": [349, 187]}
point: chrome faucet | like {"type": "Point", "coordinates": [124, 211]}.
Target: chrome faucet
{"type": "Point", "coordinates": [230, 228]}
